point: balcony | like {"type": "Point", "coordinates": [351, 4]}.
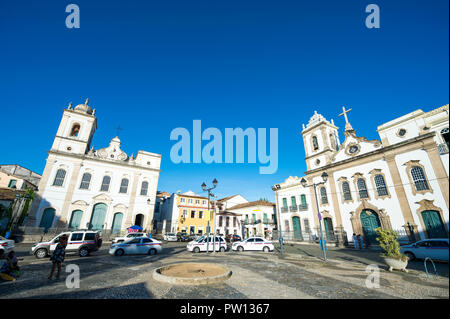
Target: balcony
{"type": "Point", "coordinates": [293, 208]}
{"type": "Point", "coordinates": [284, 209]}
{"type": "Point", "coordinates": [302, 207]}
{"type": "Point", "coordinates": [443, 148]}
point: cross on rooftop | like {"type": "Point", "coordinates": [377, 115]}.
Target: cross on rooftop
{"type": "Point", "coordinates": [348, 127]}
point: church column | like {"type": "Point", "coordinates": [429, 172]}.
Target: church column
{"type": "Point", "coordinates": [150, 215]}
{"type": "Point", "coordinates": [401, 195]}
{"type": "Point", "coordinates": [129, 221]}
{"type": "Point", "coordinates": [336, 209]}
{"type": "Point", "coordinates": [62, 222]}
{"type": "Point", "coordinates": [439, 169]}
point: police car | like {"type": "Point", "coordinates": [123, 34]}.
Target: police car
{"type": "Point", "coordinates": [140, 245]}
{"type": "Point", "coordinates": [253, 243]}
{"type": "Point", "coordinates": [82, 242]}
{"type": "Point", "coordinates": [205, 243]}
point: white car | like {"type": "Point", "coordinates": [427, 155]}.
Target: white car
{"type": "Point", "coordinates": [81, 242]}
{"type": "Point", "coordinates": [128, 237]}
{"type": "Point", "coordinates": [170, 237]}
{"type": "Point", "coordinates": [135, 246]}
{"type": "Point", "coordinates": [201, 244]}
{"type": "Point", "coordinates": [6, 245]}
{"type": "Point", "coordinates": [436, 249]}
{"type": "Point", "coordinates": [253, 243]}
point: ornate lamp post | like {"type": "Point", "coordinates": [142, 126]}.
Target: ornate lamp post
{"type": "Point", "coordinates": [304, 184]}
{"type": "Point", "coordinates": [204, 187]}
{"type": "Point", "coordinates": [275, 189]}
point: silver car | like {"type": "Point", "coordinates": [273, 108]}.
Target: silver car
{"type": "Point", "coordinates": [135, 246]}
{"type": "Point", "coordinates": [436, 249]}
{"type": "Point", "coordinates": [6, 245]}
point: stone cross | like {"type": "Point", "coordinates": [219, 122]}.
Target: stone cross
{"type": "Point", "coordinates": [348, 127]}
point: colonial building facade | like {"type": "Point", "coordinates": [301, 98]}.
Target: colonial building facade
{"type": "Point", "coordinates": [399, 182]}
{"type": "Point", "coordinates": [102, 189]}
{"type": "Point", "coordinates": [186, 213]}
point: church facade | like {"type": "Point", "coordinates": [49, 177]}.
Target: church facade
{"type": "Point", "coordinates": [399, 182]}
{"type": "Point", "coordinates": [83, 188]}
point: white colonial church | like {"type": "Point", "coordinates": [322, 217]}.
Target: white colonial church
{"type": "Point", "coordinates": [399, 182]}
{"type": "Point", "coordinates": [83, 188]}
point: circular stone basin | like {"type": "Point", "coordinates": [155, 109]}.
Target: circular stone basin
{"type": "Point", "coordinates": [192, 274]}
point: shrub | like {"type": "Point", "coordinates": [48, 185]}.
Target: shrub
{"type": "Point", "coordinates": [388, 240]}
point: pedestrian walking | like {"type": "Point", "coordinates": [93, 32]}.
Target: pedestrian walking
{"type": "Point", "coordinates": [355, 241]}
{"type": "Point", "coordinates": [361, 241]}
{"type": "Point", "coordinates": [58, 256]}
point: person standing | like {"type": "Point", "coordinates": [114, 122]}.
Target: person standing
{"type": "Point", "coordinates": [361, 241]}
{"type": "Point", "coordinates": [355, 241]}
{"type": "Point", "coordinates": [58, 256]}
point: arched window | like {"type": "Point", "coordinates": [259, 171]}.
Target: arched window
{"type": "Point", "coordinates": [323, 195]}
{"type": "Point", "coordinates": [419, 178]}
{"type": "Point", "coordinates": [346, 191]}
{"type": "Point", "coordinates": [362, 188]}
{"type": "Point", "coordinates": [123, 186]}
{"type": "Point", "coordinates": [315, 143]}
{"type": "Point", "coordinates": [380, 184]}
{"type": "Point", "coordinates": [59, 177]}
{"type": "Point", "coordinates": [144, 188]}
{"type": "Point", "coordinates": [85, 181]}
{"type": "Point", "coordinates": [75, 130]}
{"type": "Point", "coordinates": [105, 183]}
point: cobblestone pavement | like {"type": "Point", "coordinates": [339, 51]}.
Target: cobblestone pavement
{"type": "Point", "coordinates": [299, 273]}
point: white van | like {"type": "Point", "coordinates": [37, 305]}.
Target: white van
{"type": "Point", "coordinates": [202, 244]}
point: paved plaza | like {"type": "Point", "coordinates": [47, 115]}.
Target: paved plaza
{"type": "Point", "coordinates": [299, 273]}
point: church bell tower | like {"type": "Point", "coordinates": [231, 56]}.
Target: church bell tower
{"type": "Point", "coordinates": [321, 141]}
{"type": "Point", "coordinates": [76, 130]}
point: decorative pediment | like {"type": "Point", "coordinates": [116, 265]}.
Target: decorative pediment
{"type": "Point", "coordinates": [80, 203]}
{"type": "Point", "coordinates": [292, 180]}
{"type": "Point", "coordinates": [120, 206]}
{"type": "Point", "coordinates": [354, 146]}
{"type": "Point", "coordinates": [113, 151]}
{"type": "Point", "coordinates": [102, 197]}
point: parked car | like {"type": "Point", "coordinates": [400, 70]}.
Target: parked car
{"type": "Point", "coordinates": [170, 237]}
{"type": "Point", "coordinates": [253, 243]}
{"type": "Point", "coordinates": [232, 238]}
{"type": "Point", "coordinates": [6, 245]}
{"type": "Point", "coordinates": [201, 244]}
{"type": "Point", "coordinates": [128, 236]}
{"type": "Point", "coordinates": [82, 242]}
{"type": "Point", "coordinates": [436, 249]}
{"type": "Point", "coordinates": [140, 245]}
{"type": "Point", "coordinates": [182, 237]}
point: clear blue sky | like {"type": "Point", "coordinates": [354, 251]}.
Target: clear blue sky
{"type": "Point", "coordinates": [152, 66]}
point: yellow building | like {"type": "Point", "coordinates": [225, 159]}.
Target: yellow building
{"type": "Point", "coordinates": [187, 213]}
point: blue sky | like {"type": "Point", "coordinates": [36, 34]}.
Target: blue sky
{"type": "Point", "coordinates": [152, 66]}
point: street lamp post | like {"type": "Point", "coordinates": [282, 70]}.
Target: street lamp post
{"type": "Point", "coordinates": [304, 184]}
{"type": "Point", "coordinates": [209, 195]}
{"type": "Point", "coordinates": [275, 189]}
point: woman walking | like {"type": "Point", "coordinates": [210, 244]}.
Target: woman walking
{"type": "Point", "coordinates": [58, 255]}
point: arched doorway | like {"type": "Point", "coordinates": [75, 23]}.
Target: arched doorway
{"type": "Point", "coordinates": [98, 217]}
{"type": "Point", "coordinates": [139, 220]}
{"type": "Point", "coordinates": [117, 223]}
{"type": "Point", "coordinates": [297, 228]}
{"type": "Point", "coordinates": [434, 226]}
{"type": "Point", "coordinates": [329, 230]}
{"type": "Point", "coordinates": [47, 218]}
{"type": "Point", "coordinates": [75, 219]}
{"type": "Point", "coordinates": [370, 221]}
